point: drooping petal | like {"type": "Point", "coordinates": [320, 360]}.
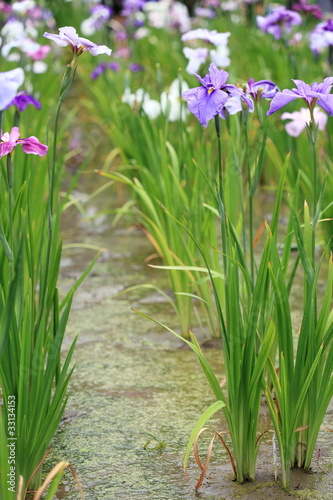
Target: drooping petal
{"type": "Point", "coordinates": [204, 105]}
{"type": "Point", "coordinates": [248, 101]}
{"type": "Point", "coordinates": [281, 99]}
{"type": "Point", "coordinates": [31, 145]}
{"type": "Point", "coordinates": [96, 50]}
{"type": "Point", "coordinates": [68, 36]}
{"type": "Point", "coordinates": [6, 148]}
{"type": "Point", "coordinates": [326, 102]}
{"type": "Point", "coordinates": [22, 100]}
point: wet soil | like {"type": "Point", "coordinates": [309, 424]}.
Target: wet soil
{"type": "Point", "coordinates": [137, 392]}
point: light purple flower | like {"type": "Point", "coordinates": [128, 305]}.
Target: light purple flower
{"type": "Point", "coordinates": [100, 14]}
{"type": "Point", "coordinates": [21, 101]}
{"type": "Point", "coordinates": [261, 89]}
{"type": "Point", "coordinates": [207, 101]}
{"type": "Point", "coordinates": [300, 119]}
{"type": "Point", "coordinates": [322, 36]}
{"type": "Point", "coordinates": [101, 68]}
{"type": "Point", "coordinates": [204, 12]}
{"type": "Point", "coordinates": [136, 67]}
{"type": "Point", "coordinates": [317, 93]}
{"type": "Point", "coordinates": [281, 20]}
{"type": "Point", "coordinates": [31, 145]}
{"type": "Point", "coordinates": [130, 7]}
{"type": "Point", "coordinates": [10, 81]}
{"type": "Point", "coordinates": [68, 36]}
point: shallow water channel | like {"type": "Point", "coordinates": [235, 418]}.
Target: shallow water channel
{"type": "Point", "coordinates": [137, 392]}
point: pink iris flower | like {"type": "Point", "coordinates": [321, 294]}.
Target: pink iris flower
{"type": "Point", "coordinates": [68, 36]}
{"type": "Point", "coordinates": [31, 145]}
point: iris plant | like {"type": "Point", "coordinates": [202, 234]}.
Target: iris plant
{"type": "Point", "coordinates": [68, 36]}
{"type": "Point", "coordinates": [207, 101]}
{"type": "Point", "coordinates": [315, 94]}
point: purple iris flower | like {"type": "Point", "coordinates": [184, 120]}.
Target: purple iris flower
{"type": "Point", "coordinates": [204, 12]}
{"type": "Point", "coordinates": [100, 68]}
{"type": "Point", "coordinates": [207, 101]}
{"type": "Point", "coordinates": [322, 36]}
{"type": "Point", "coordinates": [22, 100]}
{"type": "Point", "coordinates": [317, 93]}
{"type": "Point", "coordinates": [31, 145]}
{"type": "Point", "coordinates": [130, 7]}
{"type": "Point", "coordinates": [308, 8]}
{"type": "Point", "coordinates": [102, 12]}
{"type": "Point", "coordinates": [279, 21]}
{"type": "Point", "coordinates": [68, 36]}
{"type": "Point", "coordinates": [261, 89]}
{"type": "Point", "coordinates": [136, 67]}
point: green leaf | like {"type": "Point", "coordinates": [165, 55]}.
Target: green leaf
{"type": "Point", "coordinates": [207, 414]}
{"type": "Point", "coordinates": [6, 247]}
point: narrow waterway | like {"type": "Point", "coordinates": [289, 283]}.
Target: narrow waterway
{"type": "Point", "coordinates": [137, 392]}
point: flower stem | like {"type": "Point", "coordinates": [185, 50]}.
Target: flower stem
{"type": "Point", "coordinates": [220, 166]}
{"type": "Point", "coordinates": [10, 205]}
{"type": "Point", "coordinates": [313, 134]}
{"type": "Point", "coordinates": [221, 199]}
{"type": "Point", "coordinates": [66, 84]}
{"type": "Point", "coordinates": [249, 183]}
{"type": "Point", "coordinates": [291, 56]}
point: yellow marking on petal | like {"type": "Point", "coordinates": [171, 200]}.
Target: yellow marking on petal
{"type": "Point", "coordinates": [210, 90]}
